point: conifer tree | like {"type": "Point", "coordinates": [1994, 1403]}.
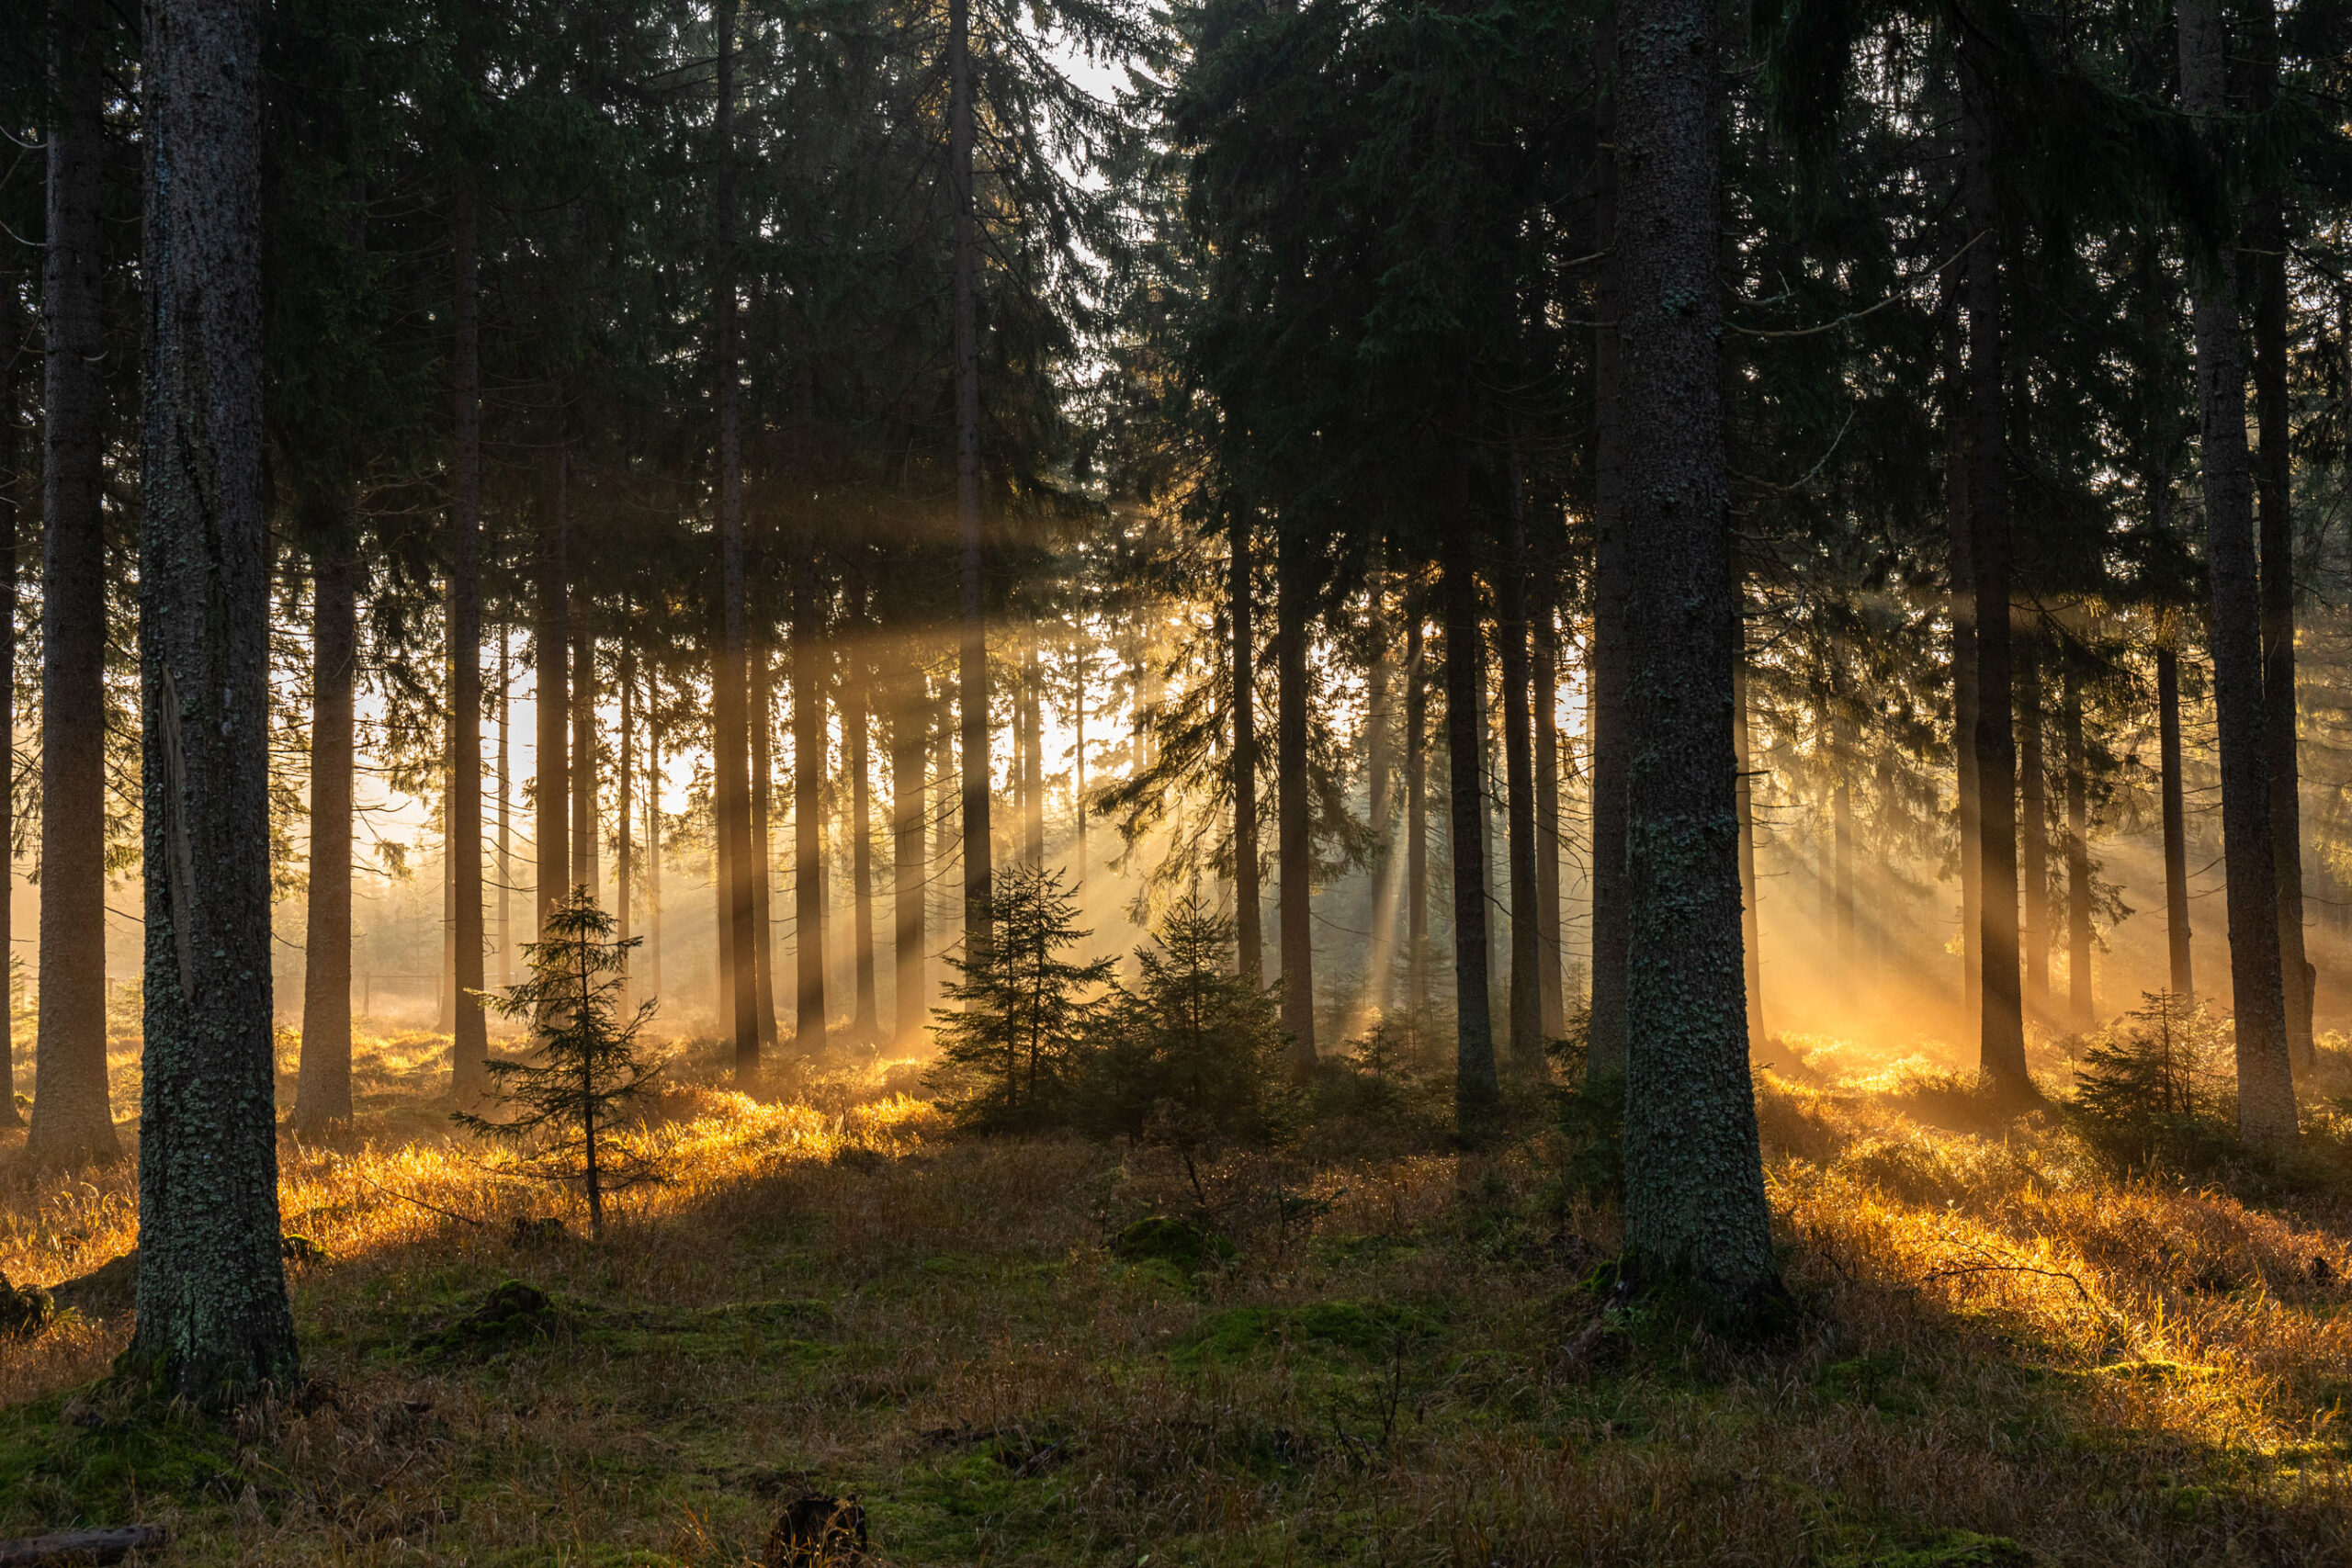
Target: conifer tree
{"type": "Point", "coordinates": [566, 1092]}
{"type": "Point", "coordinates": [1194, 1053]}
{"type": "Point", "coordinates": [1009, 1047]}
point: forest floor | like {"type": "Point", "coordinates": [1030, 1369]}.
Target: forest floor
{"type": "Point", "coordinates": [1366, 1348]}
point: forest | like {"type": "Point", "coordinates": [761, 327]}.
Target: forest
{"type": "Point", "coordinates": [1228, 782]}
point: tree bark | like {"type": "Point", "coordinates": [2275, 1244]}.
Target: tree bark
{"type": "Point", "coordinates": [2001, 1028]}
{"type": "Point", "coordinates": [1519, 788]}
{"type": "Point", "coordinates": [1607, 676]}
{"type": "Point", "coordinates": [972, 654]}
{"type": "Point", "coordinates": [865, 1026]}
{"type": "Point", "coordinates": [910, 739]}
{"type": "Point", "coordinates": [551, 700]}
{"type": "Point", "coordinates": [625, 819]}
{"type": "Point", "coordinates": [731, 785]}
{"type": "Point", "coordinates": [212, 1314]}
{"type": "Point", "coordinates": [505, 821]}
{"type": "Point", "coordinates": [322, 1081]}
{"type": "Point", "coordinates": [12, 345]}
{"type": "Point", "coordinates": [1293, 818]}
{"type": "Point", "coordinates": [760, 869]}
{"type": "Point", "coordinates": [1751, 936]}
{"type": "Point", "coordinates": [2079, 1009]}
{"type": "Point", "coordinates": [1031, 710]}
{"type": "Point", "coordinates": [1250, 934]}
{"type": "Point", "coordinates": [587, 803]}
{"type": "Point", "coordinates": [1380, 767]}
{"type": "Point", "coordinates": [1476, 1089]}
{"type": "Point", "coordinates": [2274, 494]}
{"type": "Point", "coordinates": [809, 739]}
{"type": "Point", "coordinates": [1694, 1186]}
{"type": "Point", "coordinates": [2265, 1082]}
{"type": "Point", "coordinates": [652, 836]}
{"type": "Point", "coordinates": [2177, 934]}
{"type": "Point", "coordinates": [72, 1119]}
{"type": "Point", "coordinates": [1550, 996]}
{"type": "Point", "coordinates": [470, 1041]}
{"type": "Point", "coordinates": [2033, 826]}
{"type": "Point", "coordinates": [1417, 824]}
{"type": "Point", "coordinates": [1962, 571]}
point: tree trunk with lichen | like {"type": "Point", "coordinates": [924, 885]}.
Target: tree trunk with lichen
{"type": "Point", "coordinates": [1694, 1181]}
{"type": "Point", "coordinates": [212, 1314]}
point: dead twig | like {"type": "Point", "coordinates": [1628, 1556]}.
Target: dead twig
{"type": "Point", "coordinates": [80, 1545]}
{"type": "Point", "coordinates": [388, 1192]}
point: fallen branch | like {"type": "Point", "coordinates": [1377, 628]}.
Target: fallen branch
{"type": "Point", "coordinates": [2009, 1269]}
{"type": "Point", "coordinates": [81, 1546]}
{"type": "Point", "coordinates": [388, 1192]}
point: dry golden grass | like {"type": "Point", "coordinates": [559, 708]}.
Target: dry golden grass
{"type": "Point", "coordinates": [1400, 1365]}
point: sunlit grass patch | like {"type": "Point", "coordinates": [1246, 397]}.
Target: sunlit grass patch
{"type": "Point", "coordinates": [2003, 1348]}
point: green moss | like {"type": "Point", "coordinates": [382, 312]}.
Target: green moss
{"type": "Point", "coordinates": [1947, 1549]}
{"type": "Point", "coordinates": [512, 1314]}
{"type": "Point", "coordinates": [1883, 1381]}
{"type": "Point", "coordinates": [80, 1460]}
{"type": "Point", "coordinates": [1184, 1246]}
{"type": "Point", "coordinates": [1342, 1327]}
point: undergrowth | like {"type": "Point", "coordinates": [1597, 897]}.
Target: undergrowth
{"type": "Point", "coordinates": [1363, 1345]}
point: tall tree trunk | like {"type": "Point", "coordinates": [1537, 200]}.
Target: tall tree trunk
{"type": "Point", "coordinates": [1380, 746]}
{"type": "Point", "coordinates": [866, 1028]}
{"type": "Point", "coordinates": [1607, 678]}
{"type": "Point", "coordinates": [1417, 809]}
{"type": "Point", "coordinates": [652, 838]}
{"type": "Point", "coordinates": [1081, 662]}
{"type": "Point", "coordinates": [1519, 788]}
{"type": "Point", "coordinates": [972, 652]}
{"type": "Point", "coordinates": [1031, 708]}
{"type": "Point", "coordinates": [469, 1044]}
{"type": "Point", "coordinates": [2001, 1029]}
{"type": "Point", "coordinates": [1475, 1087]}
{"type": "Point", "coordinates": [551, 699]}
{"type": "Point", "coordinates": [2265, 1081]}
{"type": "Point", "coordinates": [445, 982]}
{"type": "Point", "coordinates": [2274, 493]}
{"type": "Point", "coordinates": [760, 870]}
{"type": "Point", "coordinates": [1751, 936]}
{"type": "Point", "coordinates": [1249, 934]}
{"type": "Point", "coordinates": [505, 821]}
{"type": "Point", "coordinates": [624, 819]}
{"type": "Point", "coordinates": [322, 1080]}
{"type": "Point", "coordinates": [2183, 974]}
{"type": "Point", "coordinates": [1293, 818]}
{"type": "Point", "coordinates": [1961, 570]}
{"type": "Point", "coordinates": [1694, 1183]}
{"type": "Point", "coordinates": [2033, 825]}
{"type": "Point", "coordinates": [808, 729]}
{"type": "Point", "coordinates": [2079, 1011]}
{"type": "Point", "coordinates": [12, 343]}
{"type": "Point", "coordinates": [587, 788]}
{"type": "Point", "coordinates": [731, 785]}
{"type": "Point", "coordinates": [1841, 832]}
{"type": "Point", "coordinates": [909, 737]}
{"type": "Point", "coordinates": [1552, 1015]}
{"type": "Point", "coordinates": [212, 1314]}
{"type": "Point", "coordinates": [72, 1119]}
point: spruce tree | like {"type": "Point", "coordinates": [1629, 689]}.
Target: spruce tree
{"type": "Point", "coordinates": [566, 1093]}
{"type": "Point", "coordinates": [1009, 1048]}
